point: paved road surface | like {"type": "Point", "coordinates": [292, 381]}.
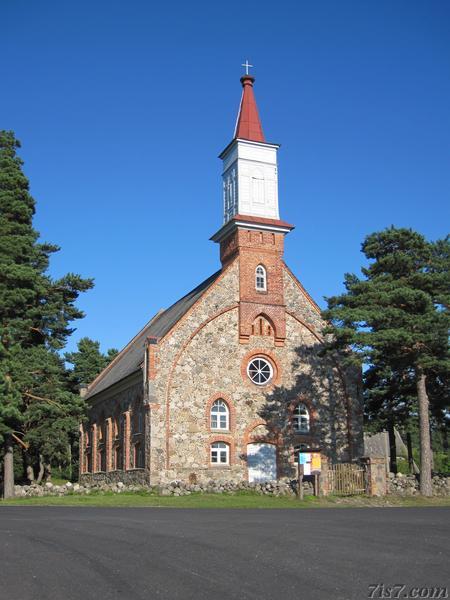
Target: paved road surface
{"type": "Point", "coordinates": [62, 553]}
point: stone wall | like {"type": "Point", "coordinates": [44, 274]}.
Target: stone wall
{"type": "Point", "coordinates": [130, 477]}
{"type": "Point", "coordinates": [408, 485]}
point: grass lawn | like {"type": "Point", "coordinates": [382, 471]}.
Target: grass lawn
{"type": "Point", "coordinates": [237, 500]}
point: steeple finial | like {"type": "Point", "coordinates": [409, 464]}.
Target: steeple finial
{"type": "Point", "coordinates": [247, 66]}
{"type": "Point", "coordinates": [248, 125]}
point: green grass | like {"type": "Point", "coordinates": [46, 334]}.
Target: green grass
{"type": "Point", "coordinates": [238, 500]}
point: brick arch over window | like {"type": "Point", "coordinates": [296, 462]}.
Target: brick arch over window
{"type": "Point", "coordinates": [251, 436]}
{"type": "Point", "coordinates": [263, 325]}
{"type": "Point", "coordinates": [226, 439]}
{"type": "Point", "coordinates": [231, 410]}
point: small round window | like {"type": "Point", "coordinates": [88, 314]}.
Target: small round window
{"type": "Point", "coordinates": [260, 370]}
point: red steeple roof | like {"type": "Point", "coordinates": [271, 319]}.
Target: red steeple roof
{"type": "Point", "coordinates": [248, 125]}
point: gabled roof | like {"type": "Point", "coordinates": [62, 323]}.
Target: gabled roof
{"type": "Point", "coordinates": [129, 360]}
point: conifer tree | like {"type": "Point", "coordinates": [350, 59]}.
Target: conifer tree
{"type": "Point", "coordinates": [35, 311]}
{"type": "Point", "coordinates": [396, 316]}
{"type": "Point", "coordinates": [88, 361]}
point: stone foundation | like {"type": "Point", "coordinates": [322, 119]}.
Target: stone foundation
{"type": "Point", "coordinates": [130, 477]}
{"type": "Point", "coordinates": [408, 485]}
{"type": "Point", "coordinates": [174, 488]}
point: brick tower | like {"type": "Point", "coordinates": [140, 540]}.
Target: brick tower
{"type": "Point", "coordinates": [252, 229]}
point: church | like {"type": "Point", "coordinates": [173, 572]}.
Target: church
{"type": "Point", "coordinates": [229, 382]}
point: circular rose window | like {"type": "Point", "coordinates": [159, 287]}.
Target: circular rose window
{"type": "Point", "coordinates": [260, 370]}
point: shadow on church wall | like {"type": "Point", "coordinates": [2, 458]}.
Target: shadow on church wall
{"type": "Point", "coordinates": [318, 384]}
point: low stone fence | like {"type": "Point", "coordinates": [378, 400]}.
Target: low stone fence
{"type": "Point", "coordinates": [408, 485]}
{"type": "Point", "coordinates": [402, 485]}
{"type": "Point", "coordinates": [175, 488]}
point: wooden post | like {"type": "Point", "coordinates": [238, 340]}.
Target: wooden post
{"type": "Point", "coordinates": [300, 481]}
{"type": "Point", "coordinates": [316, 484]}
{"type": "Point", "coordinates": [8, 468]}
{"type": "Point", "coordinates": [410, 453]}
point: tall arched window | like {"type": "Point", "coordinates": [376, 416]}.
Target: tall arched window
{"type": "Point", "coordinates": [300, 418]}
{"type": "Point", "coordinates": [220, 453]}
{"type": "Point", "coordinates": [220, 415]}
{"type": "Point", "coordinates": [260, 279]}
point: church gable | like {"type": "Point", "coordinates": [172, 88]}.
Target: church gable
{"type": "Point", "coordinates": [300, 305]}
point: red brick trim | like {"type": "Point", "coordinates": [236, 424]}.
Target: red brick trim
{"type": "Point", "coordinates": [152, 358]}
{"type": "Point", "coordinates": [231, 411]}
{"type": "Point", "coordinates": [126, 441]}
{"type": "Point", "coordinates": [264, 353]}
{"type": "Point", "coordinates": [174, 364]}
{"type": "Point", "coordinates": [109, 443]}
{"type": "Point", "coordinates": [247, 437]}
{"type": "Point", "coordinates": [94, 449]}
{"type": "Point", "coordinates": [227, 439]}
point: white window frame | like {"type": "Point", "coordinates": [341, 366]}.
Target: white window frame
{"type": "Point", "coordinates": [257, 371]}
{"type": "Point", "coordinates": [220, 419]}
{"type": "Point", "coordinates": [219, 454]}
{"type": "Point", "coordinates": [301, 419]}
{"type": "Point", "coordinates": [260, 279]}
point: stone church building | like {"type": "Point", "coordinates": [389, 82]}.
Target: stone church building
{"type": "Point", "coordinates": [228, 383]}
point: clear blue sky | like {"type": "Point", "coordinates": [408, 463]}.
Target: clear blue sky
{"type": "Point", "coordinates": [123, 106]}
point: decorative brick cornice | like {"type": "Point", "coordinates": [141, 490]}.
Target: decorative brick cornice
{"type": "Point", "coordinates": [249, 222]}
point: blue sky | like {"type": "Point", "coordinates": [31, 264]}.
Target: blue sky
{"type": "Point", "coordinates": [123, 107]}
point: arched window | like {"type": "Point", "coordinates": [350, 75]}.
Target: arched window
{"type": "Point", "coordinates": [220, 415]}
{"type": "Point", "coordinates": [220, 453]}
{"type": "Point", "coordinates": [300, 418]}
{"type": "Point", "coordinates": [260, 279]}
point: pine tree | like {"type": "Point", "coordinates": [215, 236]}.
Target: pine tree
{"type": "Point", "coordinates": [35, 310]}
{"type": "Point", "coordinates": [87, 362]}
{"type": "Point", "coordinates": [397, 316]}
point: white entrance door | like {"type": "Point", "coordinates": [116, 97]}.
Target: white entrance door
{"type": "Point", "coordinates": [261, 462]}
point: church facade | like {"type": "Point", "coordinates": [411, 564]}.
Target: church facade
{"type": "Point", "coordinates": [229, 382]}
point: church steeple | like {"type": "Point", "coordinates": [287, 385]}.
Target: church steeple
{"type": "Point", "coordinates": [250, 178]}
{"type": "Point", "coordinates": [252, 232]}
{"type": "Point", "coordinates": [248, 124]}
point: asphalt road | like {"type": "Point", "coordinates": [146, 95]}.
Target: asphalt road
{"type": "Point", "coordinates": [62, 553]}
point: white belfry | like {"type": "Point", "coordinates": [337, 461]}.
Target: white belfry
{"type": "Point", "coordinates": [250, 177]}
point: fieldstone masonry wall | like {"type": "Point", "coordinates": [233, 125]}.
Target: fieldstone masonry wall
{"type": "Point", "coordinates": [203, 357]}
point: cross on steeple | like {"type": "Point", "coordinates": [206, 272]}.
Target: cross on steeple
{"type": "Point", "coordinates": [247, 66]}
